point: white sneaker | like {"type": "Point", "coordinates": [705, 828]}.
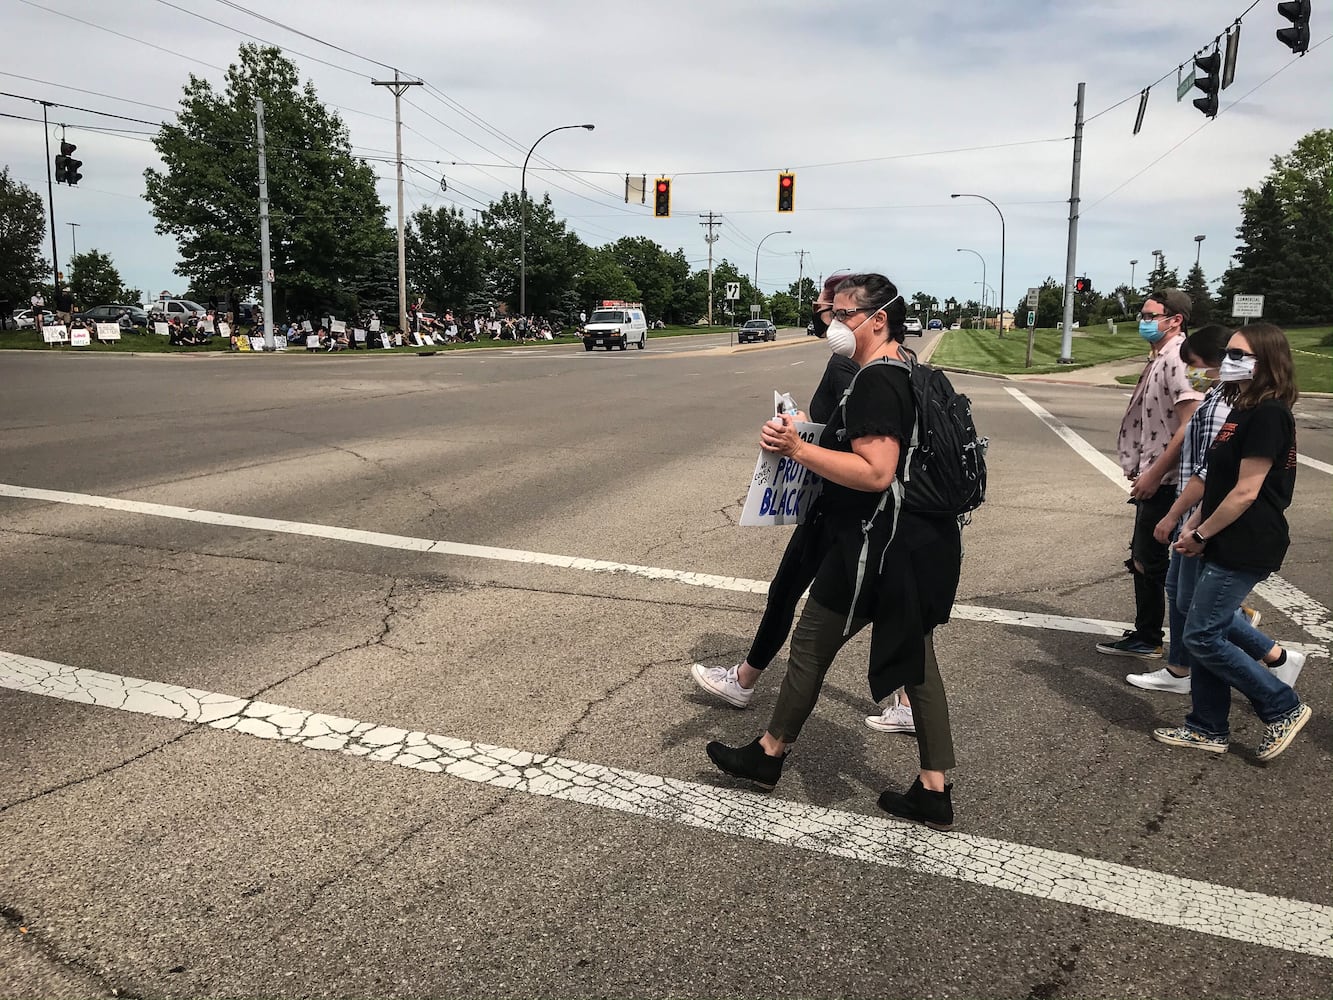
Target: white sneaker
{"type": "Point", "coordinates": [897, 718]}
{"type": "Point", "coordinates": [1162, 680]}
{"type": "Point", "coordinates": [722, 682]}
{"type": "Point", "coordinates": [1289, 671]}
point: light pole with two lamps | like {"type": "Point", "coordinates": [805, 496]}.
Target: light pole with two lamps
{"type": "Point", "coordinates": [980, 258]}
{"type": "Point", "coordinates": [1001, 214]}
{"type": "Point", "coordinates": [523, 221]}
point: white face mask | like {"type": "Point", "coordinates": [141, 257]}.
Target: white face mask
{"type": "Point", "coordinates": [1236, 371]}
{"type": "Point", "coordinates": [842, 338]}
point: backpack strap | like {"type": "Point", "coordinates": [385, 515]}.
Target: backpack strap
{"type": "Point", "coordinates": [896, 489]}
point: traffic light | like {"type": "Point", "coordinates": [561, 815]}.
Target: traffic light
{"type": "Point", "coordinates": [1082, 285]}
{"type": "Point", "coordinates": [662, 198]}
{"type": "Point", "coordinates": [1297, 37]}
{"type": "Point", "coordinates": [72, 175]}
{"type": "Point", "coordinates": [786, 192]}
{"type": "Point", "coordinates": [1205, 78]}
{"type": "Point", "coordinates": [67, 168]}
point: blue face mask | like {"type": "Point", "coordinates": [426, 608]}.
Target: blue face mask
{"type": "Point", "coordinates": [1148, 330]}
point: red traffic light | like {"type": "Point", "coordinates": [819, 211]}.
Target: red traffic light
{"type": "Point", "coordinates": [786, 191]}
{"type": "Point", "coordinates": [661, 187]}
{"type": "Point", "coordinates": [786, 182]}
{"type": "Point", "coordinates": [662, 198]}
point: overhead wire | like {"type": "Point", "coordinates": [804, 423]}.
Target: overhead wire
{"type": "Point", "coordinates": [1208, 121]}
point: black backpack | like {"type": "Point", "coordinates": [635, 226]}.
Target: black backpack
{"type": "Point", "coordinates": [945, 469]}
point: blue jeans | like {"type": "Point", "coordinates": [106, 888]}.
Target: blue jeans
{"type": "Point", "coordinates": [1180, 581]}
{"type": "Point", "coordinates": [1219, 664]}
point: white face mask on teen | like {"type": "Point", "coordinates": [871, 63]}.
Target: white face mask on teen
{"type": "Point", "coordinates": [1236, 371]}
{"type": "Point", "coordinates": [842, 338]}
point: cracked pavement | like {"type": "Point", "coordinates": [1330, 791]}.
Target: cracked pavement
{"type": "Point", "coordinates": [415, 774]}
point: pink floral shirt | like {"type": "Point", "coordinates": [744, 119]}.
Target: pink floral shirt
{"type": "Point", "coordinates": [1150, 419]}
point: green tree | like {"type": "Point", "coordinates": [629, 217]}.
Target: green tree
{"type": "Point", "coordinates": [724, 273]}
{"type": "Point", "coordinates": [660, 276]}
{"type": "Point", "coordinates": [1161, 276]}
{"type": "Point", "coordinates": [1196, 287]}
{"type": "Point", "coordinates": [325, 214]}
{"type": "Point", "coordinates": [445, 258]}
{"type": "Point", "coordinates": [782, 309]}
{"type": "Point", "coordinates": [554, 255]}
{"type": "Point", "coordinates": [602, 277]}
{"type": "Point", "coordinates": [22, 228]}
{"type": "Point", "coordinates": [94, 280]}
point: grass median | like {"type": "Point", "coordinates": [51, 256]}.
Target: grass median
{"type": "Point", "coordinates": [984, 351]}
{"type": "Point", "coordinates": [151, 343]}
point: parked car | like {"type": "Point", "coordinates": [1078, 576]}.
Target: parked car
{"type": "Point", "coordinates": [955, 326]}
{"type": "Point", "coordinates": [757, 329]}
{"type": "Point", "coordinates": [935, 324]}
{"type": "Point", "coordinates": [111, 314]}
{"type": "Point", "coordinates": [182, 309]}
{"type": "Point", "coordinates": [913, 325]}
{"type": "Point", "coordinates": [23, 319]}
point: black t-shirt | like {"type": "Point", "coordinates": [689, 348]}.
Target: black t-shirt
{"type": "Point", "coordinates": [880, 406]}
{"type": "Point", "coordinates": [1258, 539]}
{"type": "Point", "coordinates": [838, 375]}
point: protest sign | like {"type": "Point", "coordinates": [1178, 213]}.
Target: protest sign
{"type": "Point", "coordinates": [781, 490]}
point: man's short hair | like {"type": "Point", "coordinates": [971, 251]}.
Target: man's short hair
{"type": "Point", "coordinates": [1174, 301]}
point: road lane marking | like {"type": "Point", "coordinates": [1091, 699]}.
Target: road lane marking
{"type": "Point", "coordinates": [1297, 605]}
{"type": "Point", "coordinates": [709, 581]}
{"type": "Point", "coordinates": [1055, 876]}
{"type": "Point", "coordinates": [1315, 464]}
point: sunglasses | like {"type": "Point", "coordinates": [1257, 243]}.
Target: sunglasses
{"type": "Point", "coordinates": [1235, 353]}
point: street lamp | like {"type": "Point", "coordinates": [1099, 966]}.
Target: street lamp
{"type": "Point", "coordinates": [1198, 247]}
{"type": "Point", "coordinates": [1001, 214]}
{"type": "Point", "coordinates": [1158, 257]}
{"type": "Point", "coordinates": [1132, 264]}
{"type": "Point", "coordinates": [980, 258]}
{"type": "Point", "coordinates": [73, 237]}
{"type": "Point", "coordinates": [779, 232]}
{"type": "Point", "coordinates": [523, 222]}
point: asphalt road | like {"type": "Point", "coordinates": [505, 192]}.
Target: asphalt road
{"type": "Point", "coordinates": [155, 857]}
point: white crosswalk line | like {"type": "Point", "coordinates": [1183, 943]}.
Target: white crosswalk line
{"type": "Point", "coordinates": [1055, 876]}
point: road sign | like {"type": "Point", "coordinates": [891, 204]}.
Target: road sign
{"type": "Point", "coordinates": [733, 290]}
{"type": "Point", "coordinates": [1247, 306]}
{"type": "Point", "coordinates": [1033, 295]}
{"type": "Point", "coordinates": [1184, 87]}
{"type": "Point", "coordinates": [1032, 318]}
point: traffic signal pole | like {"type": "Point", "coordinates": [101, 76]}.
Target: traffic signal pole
{"type": "Point", "coordinates": [1067, 340]}
{"type": "Point", "coordinates": [51, 204]}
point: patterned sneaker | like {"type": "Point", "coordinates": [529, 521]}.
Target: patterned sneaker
{"type": "Point", "coordinates": [1289, 671]}
{"type": "Point", "coordinates": [896, 718]}
{"type": "Point", "coordinates": [1160, 680]}
{"type": "Point", "coordinates": [1278, 734]}
{"type": "Point", "coordinates": [721, 682]}
{"type": "Point", "coordinates": [1183, 736]}
{"type": "Point", "coordinates": [1131, 645]}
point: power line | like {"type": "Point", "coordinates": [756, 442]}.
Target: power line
{"type": "Point", "coordinates": [1138, 93]}
{"type": "Point", "coordinates": [1207, 121]}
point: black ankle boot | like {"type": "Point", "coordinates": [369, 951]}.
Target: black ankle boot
{"type": "Point", "coordinates": [921, 805]}
{"type": "Point", "coordinates": [748, 762]}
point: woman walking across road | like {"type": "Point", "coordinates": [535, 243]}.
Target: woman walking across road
{"type": "Point", "coordinates": [1240, 533]}
{"type": "Point", "coordinates": [883, 567]}
{"type": "Point", "coordinates": [805, 550]}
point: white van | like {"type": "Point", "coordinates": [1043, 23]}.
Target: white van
{"type": "Point", "coordinates": [616, 324]}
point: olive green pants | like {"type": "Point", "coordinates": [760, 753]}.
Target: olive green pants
{"type": "Point", "coordinates": [814, 643]}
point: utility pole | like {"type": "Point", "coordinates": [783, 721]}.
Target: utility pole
{"type": "Point", "coordinates": [710, 238]}
{"type": "Point", "coordinates": [51, 205]}
{"type": "Point", "coordinates": [399, 87]}
{"type": "Point", "coordinates": [74, 239]}
{"type": "Point", "coordinates": [800, 279]}
{"type": "Point", "coordinates": [265, 261]}
{"type": "Point", "coordinates": [1067, 340]}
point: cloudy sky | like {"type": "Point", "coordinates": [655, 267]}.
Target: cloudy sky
{"type": "Point", "coordinates": [882, 109]}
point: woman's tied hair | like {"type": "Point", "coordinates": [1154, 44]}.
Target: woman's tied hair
{"type": "Point", "coordinates": [874, 291]}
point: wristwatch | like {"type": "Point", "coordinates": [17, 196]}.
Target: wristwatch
{"type": "Point", "coordinates": [1198, 538]}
